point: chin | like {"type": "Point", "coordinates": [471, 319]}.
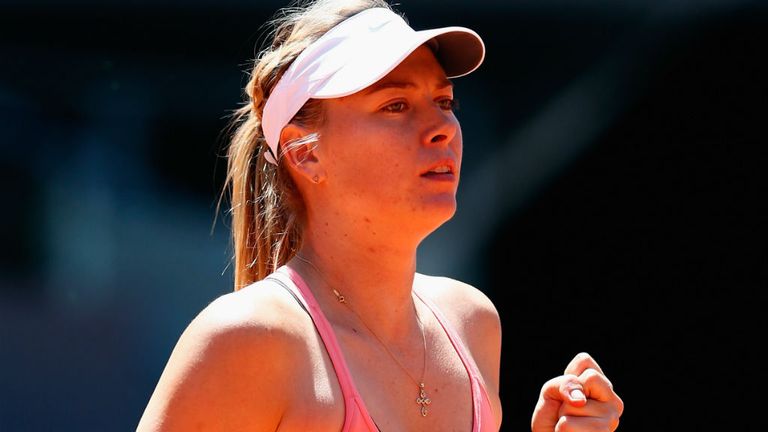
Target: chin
{"type": "Point", "coordinates": [423, 217]}
{"type": "Point", "coordinates": [438, 210]}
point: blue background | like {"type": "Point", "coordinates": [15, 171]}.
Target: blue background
{"type": "Point", "coordinates": [612, 197]}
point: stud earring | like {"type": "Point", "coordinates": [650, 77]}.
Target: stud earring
{"type": "Point", "coordinates": [316, 178]}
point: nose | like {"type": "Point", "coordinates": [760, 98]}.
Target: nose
{"type": "Point", "coordinates": [442, 128]}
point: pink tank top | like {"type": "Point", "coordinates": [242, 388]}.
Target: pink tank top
{"type": "Point", "coordinates": [356, 417]}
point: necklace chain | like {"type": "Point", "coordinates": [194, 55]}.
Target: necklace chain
{"type": "Point", "coordinates": [342, 299]}
{"type": "Point", "coordinates": [423, 400]}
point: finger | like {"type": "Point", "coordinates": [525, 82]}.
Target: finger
{"type": "Point", "coordinates": [545, 414]}
{"type": "Point", "coordinates": [571, 424]}
{"type": "Point", "coordinates": [597, 389]}
{"type": "Point", "coordinates": [592, 408]}
{"type": "Point", "coordinates": [553, 394]}
{"type": "Point", "coordinates": [565, 388]}
{"type": "Point", "coordinates": [596, 385]}
{"type": "Point", "coordinates": [581, 362]}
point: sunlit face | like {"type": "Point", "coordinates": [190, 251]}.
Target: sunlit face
{"type": "Point", "coordinates": [392, 152]}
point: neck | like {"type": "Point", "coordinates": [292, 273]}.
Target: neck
{"type": "Point", "coordinates": [375, 277]}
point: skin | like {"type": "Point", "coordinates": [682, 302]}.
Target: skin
{"type": "Point", "coordinates": [582, 399]}
{"type": "Point", "coordinates": [252, 359]}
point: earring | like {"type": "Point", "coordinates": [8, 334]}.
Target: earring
{"type": "Point", "coordinates": [316, 178]}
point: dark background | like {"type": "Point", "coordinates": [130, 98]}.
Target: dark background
{"type": "Point", "coordinates": [612, 198]}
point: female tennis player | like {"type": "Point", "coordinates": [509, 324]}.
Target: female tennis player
{"type": "Point", "coordinates": [345, 157]}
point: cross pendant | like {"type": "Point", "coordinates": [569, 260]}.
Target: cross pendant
{"type": "Point", "coordinates": [423, 400]}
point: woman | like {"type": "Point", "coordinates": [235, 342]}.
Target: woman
{"type": "Point", "coordinates": [345, 158]}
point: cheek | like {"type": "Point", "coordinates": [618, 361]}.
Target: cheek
{"type": "Point", "coordinates": [373, 165]}
{"type": "Point", "coordinates": [374, 175]}
{"type": "Point", "coordinates": [359, 157]}
{"type": "Point", "coordinates": [458, 143]}
{"type": "Point", "coordinates": [369, 146]}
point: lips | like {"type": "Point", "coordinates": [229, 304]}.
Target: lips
{"type": "Point", "coordinates": [443, 169]}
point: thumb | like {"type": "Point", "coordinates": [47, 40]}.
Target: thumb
{"type": "Point", "coordinates": [555, 392]}
{"type": "Point", "coordinates": [565, 388]}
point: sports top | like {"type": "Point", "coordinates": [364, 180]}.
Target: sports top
{"type": "Point", "coordinates": [356, 417]}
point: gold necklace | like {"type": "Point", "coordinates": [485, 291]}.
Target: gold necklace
{"type": "Point", "coordinates": [423, 400]}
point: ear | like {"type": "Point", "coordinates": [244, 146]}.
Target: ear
{"type": "Point", "coordinates": [302, 158]}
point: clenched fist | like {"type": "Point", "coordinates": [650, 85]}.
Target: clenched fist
{"type": "Point", "coordinates": [580, 400]}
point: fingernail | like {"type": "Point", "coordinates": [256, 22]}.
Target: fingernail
{"type": "Point", "coordinates": [578, 394]}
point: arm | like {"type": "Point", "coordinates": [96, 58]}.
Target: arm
{"type": "Point", "coordinates": [582, 400]}
{"type": "Point", "coordinates": [228, 369]}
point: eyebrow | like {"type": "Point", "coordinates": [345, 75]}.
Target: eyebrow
{"type": "Point", "coordinates": [445, 83]}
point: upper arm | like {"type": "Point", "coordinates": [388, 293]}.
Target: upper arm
{"type": "Point", "coordinates": [227, 371]}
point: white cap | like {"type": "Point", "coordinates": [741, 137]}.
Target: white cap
{"type": "Point", "coordinates": [356, 53]}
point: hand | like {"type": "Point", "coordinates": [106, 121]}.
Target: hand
{"type": "Point", "coordinates": [582, 399]}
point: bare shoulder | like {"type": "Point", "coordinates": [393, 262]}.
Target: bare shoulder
{"type": "Point", "coordinates": [470, 311]}
{"type": "Point", "coordinates": [463, 302]}
{"type": "Point", "coordinates": [475, 316]}
{"type": "Point", "coordinates": [238, 346]}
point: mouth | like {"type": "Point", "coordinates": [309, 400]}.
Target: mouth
{"type": "Point", "coordinates": [442, 170]}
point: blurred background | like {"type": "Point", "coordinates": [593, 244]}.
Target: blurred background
{"type": "Point", "coordinates": [612, 197]}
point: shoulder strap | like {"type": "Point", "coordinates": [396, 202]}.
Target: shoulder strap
{"type": "Point", "coordinates": [291, 292]}
{"type": "Point", "coordinates": [353, 403]}
{"type": "Point", "coordinates": [466, 359]}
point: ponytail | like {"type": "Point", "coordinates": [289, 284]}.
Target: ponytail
{"type": "Point", "coordinates": [266, 207]}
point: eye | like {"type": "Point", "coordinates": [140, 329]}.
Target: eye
{"type": "Point", "coordinates": [395, 107]}
{"type": "Point", "coordinates": [449, 104]}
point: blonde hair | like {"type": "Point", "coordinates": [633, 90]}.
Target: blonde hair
{"type": "Point", "coordinates": [266, 207]}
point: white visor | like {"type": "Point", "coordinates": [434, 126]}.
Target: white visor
{"type": "Point", "coordinates": [356, 53]}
